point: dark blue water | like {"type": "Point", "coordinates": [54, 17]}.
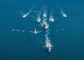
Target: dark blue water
{"type": "Point", "coordinates": [67, 44]}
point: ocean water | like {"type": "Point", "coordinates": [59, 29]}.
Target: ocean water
{"type": "Point", "coordinates": [68, 44]}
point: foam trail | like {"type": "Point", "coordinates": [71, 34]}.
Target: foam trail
{"type": "Point", "coordinates": [48, 42]}
{"type": "Point", "coordinates": [45, 23]}
{"type": "Point", "coordinates": [47, 33]}
{"type": "Point", "coordinates": [38, 18]}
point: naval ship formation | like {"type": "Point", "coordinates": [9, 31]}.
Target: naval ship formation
{"type": "Point", "coordinates": [43, 20]}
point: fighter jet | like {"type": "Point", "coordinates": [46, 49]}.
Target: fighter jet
{"type": "Point", "coordinates": [35, 31]}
